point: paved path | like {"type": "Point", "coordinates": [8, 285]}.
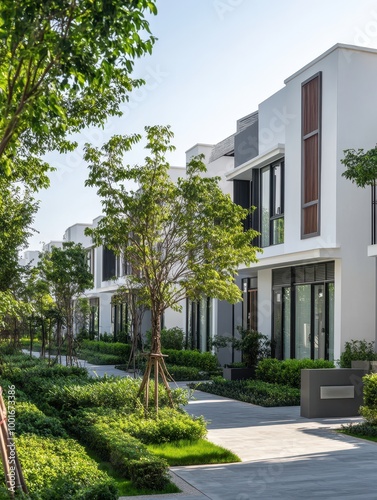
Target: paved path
{"type": "Point", "coordinates": [284, 456]}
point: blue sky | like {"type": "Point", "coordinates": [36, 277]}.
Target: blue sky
{"type": "Point", "coordinates": [214, 61]}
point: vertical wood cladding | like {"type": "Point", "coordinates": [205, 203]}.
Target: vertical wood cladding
{"type": "Point", "coordinates": [311, 143]}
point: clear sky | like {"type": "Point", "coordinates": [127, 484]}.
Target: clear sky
{"type": "Point", "coordinates": [214, 61]}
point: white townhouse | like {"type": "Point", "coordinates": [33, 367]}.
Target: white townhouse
{"type": "Point", "coordinates": [314, 287]}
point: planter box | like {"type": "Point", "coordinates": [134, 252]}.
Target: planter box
{"type": "Point", "coordinates": [361, 365]}
{"type": "Point", "coordinates": [329, 392]}
{"type": "Point", "coordinates": [238, 373]}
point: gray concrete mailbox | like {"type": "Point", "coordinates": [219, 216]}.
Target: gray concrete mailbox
{"type": "Point", "coordinates": [331, 392]}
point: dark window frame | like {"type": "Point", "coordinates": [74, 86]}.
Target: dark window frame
{"type": "Point", "coordinates": [272, 197]}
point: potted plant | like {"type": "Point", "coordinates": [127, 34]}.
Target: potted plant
{"type": "Point", "coordinates": [254, 347]}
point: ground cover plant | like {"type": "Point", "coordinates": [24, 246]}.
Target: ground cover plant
{"type": "Point", "coordinates": [252, 391]}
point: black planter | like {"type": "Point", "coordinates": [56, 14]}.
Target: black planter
{"type": "Point", "coordinates": [238, 373]}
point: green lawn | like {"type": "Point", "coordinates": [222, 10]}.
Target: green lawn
{"type": "Point", "coordinates": [198, 452]}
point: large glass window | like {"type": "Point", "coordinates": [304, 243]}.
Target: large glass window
{"type": "Point", "coordinates": [271, 204]}
{"type": "Point", "coordinates": [199, 324]}
{"type": "Point", "coordinates": [303, 323]}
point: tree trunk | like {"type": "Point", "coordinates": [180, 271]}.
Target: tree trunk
{"type": "Point", "coordinates": [156, 360]}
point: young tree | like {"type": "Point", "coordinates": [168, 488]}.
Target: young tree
{"type": "Point", "coordinates": [184, 240]}
{"type": "Point", "coordinates": [361, 166]}
{"type": "Point", "coordinates": [65, 271]}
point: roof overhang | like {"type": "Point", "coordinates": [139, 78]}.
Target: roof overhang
{"type": "Point", "coordinates": [291, 259]}
{"type": "Point", "coordinates": [243, 172]}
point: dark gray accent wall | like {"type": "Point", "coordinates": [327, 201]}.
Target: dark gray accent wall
{"type": "Point", "coordinates": [246, 144]}
{"type": "Point", "coordinates": [225, 329]}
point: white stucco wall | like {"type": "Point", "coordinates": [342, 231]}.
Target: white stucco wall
{"type": "Point", "coordinates": [357, 128]}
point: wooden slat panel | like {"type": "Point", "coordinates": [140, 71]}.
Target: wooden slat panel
{"type": "Point", "coordinates": [310, 219]}
{"type": "Point", "coordinates": [311, 169]}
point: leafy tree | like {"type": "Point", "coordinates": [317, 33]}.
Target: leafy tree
{"type": "Point", "coordinates": [181, 240]}
{"type": "Point", "coordinates": [64, 65]}
{"type": "Point", "coordinates": [65, 271]}
{"type": "Point", "coordinates": [361, 166]}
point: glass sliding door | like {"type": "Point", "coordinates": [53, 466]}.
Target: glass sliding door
{"type": "Point", "coordinates": [287, 292]}
{"type": "Point", "coordinates": [330, 320]}
{"type": "Point", "coordinates": [303, 321]}
{"type": "Point", "coordinates": [319, 322]}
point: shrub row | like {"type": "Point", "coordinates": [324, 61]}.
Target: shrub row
{"type": "Point", "coordinates": [369, 409]}
{"type": "Point", "coordinates": [253, 391]}
{"type": "Point", "coordinates": [186, 373]}
{"type": "Point", "coordinates": [56, 468]}
{"type": "Point", "coordinates": [98, 358]}
{"type": "Point", "coordinates": [127, 454]}
{"type": "Point", "coordinates": [109, 393]}
{"type": "Point", "coordinates": [114, 348]}
{"type": "Point", "coordinates": [205, 361]}
{"type": "Point", "coordinates": [287, 372]}
{"type": "Point", "coordinates": [171, 424]}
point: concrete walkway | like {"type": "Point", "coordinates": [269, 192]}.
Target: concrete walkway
{"type": "Point", "coordinates": [284, 456]}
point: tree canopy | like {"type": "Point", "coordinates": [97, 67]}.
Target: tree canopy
{"type": "Point", "coordinates": [361, 166]}
{"type": "Point", "coordinates": [183, 239]}
{"type": "Point", "coordinates": [65, 273]}
{"type": "Point", "coordinates": [64, 65]}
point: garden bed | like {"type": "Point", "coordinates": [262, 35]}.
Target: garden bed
{"type": "Point", "coordinates": [55, 405]}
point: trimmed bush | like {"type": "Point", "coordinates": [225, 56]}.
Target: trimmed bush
{"type": "Point", "coordinates": [127, 454]}
{"type": "Point", "coordinates": [171, 338]}
{"type": "Point", "coordinates": [171, 425]}
{"type": "Point", "coordinates": [288, 372]}
{"type": "Point", "coordinates": [357, 350]}
{"type": "Point", "coordinates": [186, 373]}
{"type": "Point", "coordinates": [114, 348]}
{"type": "Point", "coordinates": [364, 429]}
{"type": "Point", "coordinates": [205, 361]}
{"type": "Point", "coordinates": [56, 468]}
{"type": "Point", "coordinates": [97, 358]}
{"type": "Point", "coordinates": [110, 393]}
{"type": "Point", "coordinates": [369, 409]}
{"type": "Point", "coordinates": [253, 391]}
{"type": "Point", "coordinates": [31, 420]}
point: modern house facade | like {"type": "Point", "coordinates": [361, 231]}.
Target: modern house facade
{"type": "Point", "coordinates": [314, 286]}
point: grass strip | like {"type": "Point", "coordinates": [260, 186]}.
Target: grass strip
{"type": "Point", "coordinates": [199, 452]}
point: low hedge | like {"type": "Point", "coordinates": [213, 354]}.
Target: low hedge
{"type": "Point", "coordinates": [114, 348]}
{"type": "Point", "coordinates": [98, 358]}
{"type": "Point", "coordinates": [126, 453]}
{"type": "Point", "coordinates": [287, 372]}
{"type": "Point", "coordinates": [30, 420]}
{"type": "Point", "coordinates": [253, 391]}
{"type": "Point", "coordinates": [109, 393]}
{"type": "Point", "coordinates": [369, 408]}
{"type": "Point", "coordinates": [179, 373]}
{"type": "Point", "coordinates": [57, 468]}
{"type": "Point", "coordinates": [205, 361]}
